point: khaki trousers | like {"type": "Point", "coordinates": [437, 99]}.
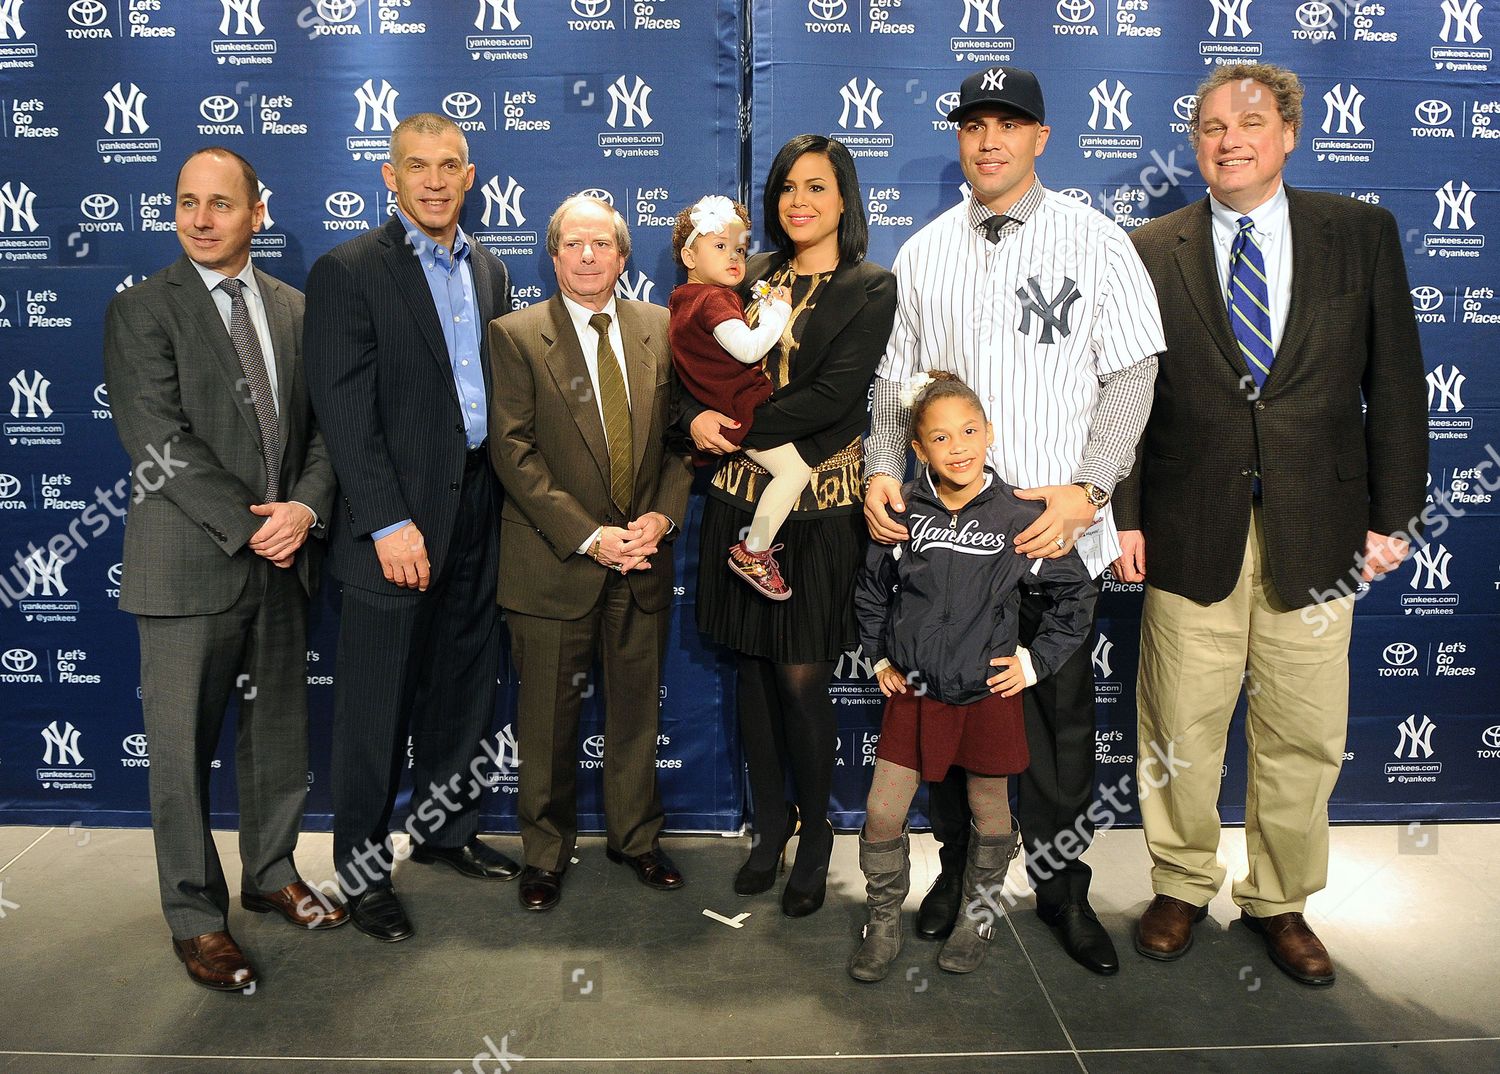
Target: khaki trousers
{"type": "Point", "coordinates": [1295, 670]}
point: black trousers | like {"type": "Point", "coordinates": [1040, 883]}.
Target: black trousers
{"type": "Point", "coordinates": [1056, 789]}
{"type": "Point", "coordinates": [423, 664]}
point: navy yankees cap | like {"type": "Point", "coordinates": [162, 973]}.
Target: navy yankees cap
{"type": "Point", "coordinates": [1014, 88]}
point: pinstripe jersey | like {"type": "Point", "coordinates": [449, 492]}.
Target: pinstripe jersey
{"type": "Point", "coordinates": [1034, 324]}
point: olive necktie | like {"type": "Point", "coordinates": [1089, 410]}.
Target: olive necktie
{"type": "Point", "coordinates": [616, 406]}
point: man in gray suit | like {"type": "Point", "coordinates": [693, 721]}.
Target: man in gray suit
{"type": "Point", "coordinates": [577, 434]}
{"type": "Point", "coordinates": [204, 365]}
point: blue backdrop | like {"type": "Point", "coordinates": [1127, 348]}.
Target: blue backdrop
{"type": "Point", "coordinates": [651, 105]}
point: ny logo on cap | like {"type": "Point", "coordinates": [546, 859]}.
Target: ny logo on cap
{"type": "Point", "coordinates": [994, 79]}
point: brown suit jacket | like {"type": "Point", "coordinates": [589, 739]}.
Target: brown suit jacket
{"type": "Point", "coordinates": [547, 444]}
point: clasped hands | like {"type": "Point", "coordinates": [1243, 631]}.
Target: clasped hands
{"type": "Point", "coordinates": [282, 533]}
{"type": "Point", "coordinates": [630, 548]}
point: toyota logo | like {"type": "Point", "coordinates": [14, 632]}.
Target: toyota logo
{"type": "Point", "coordinates": [116, 572]}
{"type": "Point", "coordinates": [1399, 654]}
{"type": "Point", "coordinates": [461, 105]}
{"type": "Point", "coordinates": [598, 194]}
{"type": "Point", "coordinates": [1434, 113]}
{"type": "Point", "coordinates": [1315, 15]}
{"type": "Point", "coordinates": [87, 12]}
{"type": "Point", "coordinates": [1491, 737]}
{"type": "Point", "coordinates": [946, 103]}
{"type": "Point", "coordinates": [1077, 193]}
{"type": "Point", "coordinates": [1075, 10]}
{"type": "Point", "coordinates": [101, 395]}
{"type": "Point", "coordinates": [135, 745]}
{"type": "Point", "coordinates": [336, 10]}
{"type": "Point", "coordinates": [590, 9]}
{"type": "Point", "coordinates": [18, 661]}
{"type": "Point", "coordinates": [99, 207]}
{"type": "Point", "coordinates": [344, 204]}
{"type": "Point", "coordinates": [1426, 299]}
{"type": "Point", "coordinates": [1184, 105]}
{"type": "Point", "coordinates": [594, 746]}
{"type": "Point", "coordinates": [218, 109]}
{"type": "Point", "coordinates": [827, 10]}
{"type": "Point", "coordinates": [10, 484]}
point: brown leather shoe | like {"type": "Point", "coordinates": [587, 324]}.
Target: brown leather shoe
{"type": "Point", "coordinates": [540, 889]}
{"type": "Point", "coordinates": [653, 868]}
{"type": "Point", "coordinates": [1294, 947]}
{"type": "Point", "coordinates": [303, 906]}
{"type": "Point", "coordinates": [1165, 931]}
{"type": "Point", "coordinates": [215, 961]}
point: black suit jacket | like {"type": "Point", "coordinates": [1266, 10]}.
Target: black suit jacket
{"type": "Point", "coordinates": [1330, 471]}
{"type": "Point", "coordinates": [383, 389]}
{"type": "Point", "coordinates": [179, 401]}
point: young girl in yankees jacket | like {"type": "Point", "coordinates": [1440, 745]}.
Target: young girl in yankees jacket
{"type": "Point", "coordinates": [938, 616]}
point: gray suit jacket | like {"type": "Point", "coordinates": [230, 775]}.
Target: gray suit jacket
{"type": "Point", "coordinates": [186, 419]}
{"type": "Point", "coordinates": [547, 443]}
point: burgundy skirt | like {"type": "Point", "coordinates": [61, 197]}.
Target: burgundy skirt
{"type": "Point", "coordinates": [986, 737]}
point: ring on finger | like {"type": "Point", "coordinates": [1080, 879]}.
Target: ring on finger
{"type": "Point", "coordinates": [1062, 543]}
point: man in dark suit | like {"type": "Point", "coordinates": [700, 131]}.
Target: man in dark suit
{"type": "Point", "coordinates": [204, 365]}
{"type": "Point", "coordinates": [396, 363]}
{"type": "Point", "coordinates": [1284, 311]}
{"type": "Point", "coordinates": [578, 437]}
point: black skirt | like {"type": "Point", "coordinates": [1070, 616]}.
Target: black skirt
{"type": "Point", "coordinates": [819, 561]}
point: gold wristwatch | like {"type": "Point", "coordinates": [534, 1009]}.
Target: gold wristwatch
{"type": "Point", "coordinates": [1097, 496]}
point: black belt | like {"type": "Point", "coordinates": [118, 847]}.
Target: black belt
{"type": "Point", "coordinates": [474, 458]}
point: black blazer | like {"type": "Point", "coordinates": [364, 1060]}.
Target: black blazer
{"type": "Point", "coordinates": [382, 387]}
{"type": "Point", "coordinates": [827, 403]}
{"type": "Point", "coordinates": [1330, 472]}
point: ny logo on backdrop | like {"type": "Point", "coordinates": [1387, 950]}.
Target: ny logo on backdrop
{"type": "Point", "coordinates": [986, 16]}
{"type": "Point", "coordinates": [502, 15]}
{"type": "Point", "coordinates": [637, 289]}
{"type": "Point", "coordinates": [10, 20]}
{"type": "Point", "coordinates": [377, 108]}
{"type": "Point", "coordinates": [1445, 386]}
{"type": "Point", "coordinates": [1416, 739]}
{"type": "Point", "coordinates": [632, 99]}
{"type": "Point", "coordinates": [1431, 567]}
{"type": "Point", "coordinates": [1236, 16]}
{"type": "Point", "coordinates": [45, 573]}
{"type": "Point", "coordinates": [502, 208]}
{"type": "Point", "coordinates": [865, 104]}
{"type": "Point", "coordinates": [1461, 19]}
{"type": "Point", "coordinates": [17, 205]}
{"type": "Point", "coordinates": [245, 15]}
{"type": "Point", "coordinates": [1050, 313]}
{"type": "Point", "coordinates": [1344, 103]}
{"type": "Point", "coordinates": [1115, 103]}
{"type": "Point", "coordinates": [1103, 648]}
{"type": "Point", "coordinates": [1459, 205]}
{"type": "Point", "coordinates": [32, 392]}
{"type": "Point", "coordinates": [62, 745]}
{"type": "Point", "coordinates": [127, 108]}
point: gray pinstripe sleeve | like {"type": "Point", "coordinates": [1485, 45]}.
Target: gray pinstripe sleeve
{"type": "Point", "coordinates": [1119, 417]}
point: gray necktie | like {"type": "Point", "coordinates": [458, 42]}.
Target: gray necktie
{"type": "Point", "coordinates": [253, 364]}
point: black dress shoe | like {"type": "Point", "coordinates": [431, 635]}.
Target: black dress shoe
{"type": "Point", "coordinates": [540, 888]}
{"type": "Point", "coordinates": [653, 868]}
{"type": "Point", "coordinates": [1082, 937]}
{"type": "Point", "coordinates": [808, 882]}
{"type": "Point", "coordinates": [755, 876]}
{"type": "Point", "coordinates": [473, 859]}
{"type": "Point", "coordinates": [939, 909]}
{"type": "Point", "coordinates": [379, 914]}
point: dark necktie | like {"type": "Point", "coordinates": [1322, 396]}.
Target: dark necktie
{"type": "Point", "coordinates": [1250, 302]}
{"type": "Point", "coordinates": [253, 364]}
{"type": "Point", "coordinates": [992, 228]}
{"type": "Point", "coordinates": [616, 407]}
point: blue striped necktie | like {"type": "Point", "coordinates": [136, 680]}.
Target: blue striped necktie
{"type": "Point", "coordinates": [1250, 302]}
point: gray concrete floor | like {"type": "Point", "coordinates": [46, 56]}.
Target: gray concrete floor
{"type": "Point", "coordinates": [88, 980]}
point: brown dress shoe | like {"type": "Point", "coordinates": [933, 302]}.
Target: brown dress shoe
{"type": "Point", "coordinates": [303, 906]}
{"type": "Point", "coordinates": [1294, 947]}
{"type": "Point", "coordinates": [215, 961]}
{"type": "Point", "coordinates": [653, 868]}
{"type": "Point", "coordinates": [540, 889]}
{"type": "Point", "coordinates": [1165, 931]}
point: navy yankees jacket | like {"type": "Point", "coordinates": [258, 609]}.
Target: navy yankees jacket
{"type": "Point", "coordinates": [944, 602]}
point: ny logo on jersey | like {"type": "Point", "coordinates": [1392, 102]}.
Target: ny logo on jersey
{"type": "Point", "coordinates": [1051, 313]}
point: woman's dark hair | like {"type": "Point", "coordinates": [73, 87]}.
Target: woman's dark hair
{"type": "Point", "coordinates": [944, 385]}
{"type": "Point", "coordinates": [854, 232]}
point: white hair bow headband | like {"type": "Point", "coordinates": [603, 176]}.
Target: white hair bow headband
{"type": "Point", "coordinates": [912, 387]}
{"type": "Point", "coordinates": [711, 215]}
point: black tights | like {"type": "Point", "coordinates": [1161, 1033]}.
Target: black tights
{"type": "Point", "coordinates": [787, 723]}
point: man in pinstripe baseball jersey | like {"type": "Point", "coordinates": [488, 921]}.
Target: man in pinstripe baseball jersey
{"type": "Point", "coordinates": [1042, 306]}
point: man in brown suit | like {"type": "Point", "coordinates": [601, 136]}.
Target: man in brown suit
{"type": "Point", "coordinates": [577, 434]}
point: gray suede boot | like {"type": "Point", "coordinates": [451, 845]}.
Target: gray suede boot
{"type": "Point", "coordinates": [887, 869]}
{"type": "Point", "coordinates": [984, 877]}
